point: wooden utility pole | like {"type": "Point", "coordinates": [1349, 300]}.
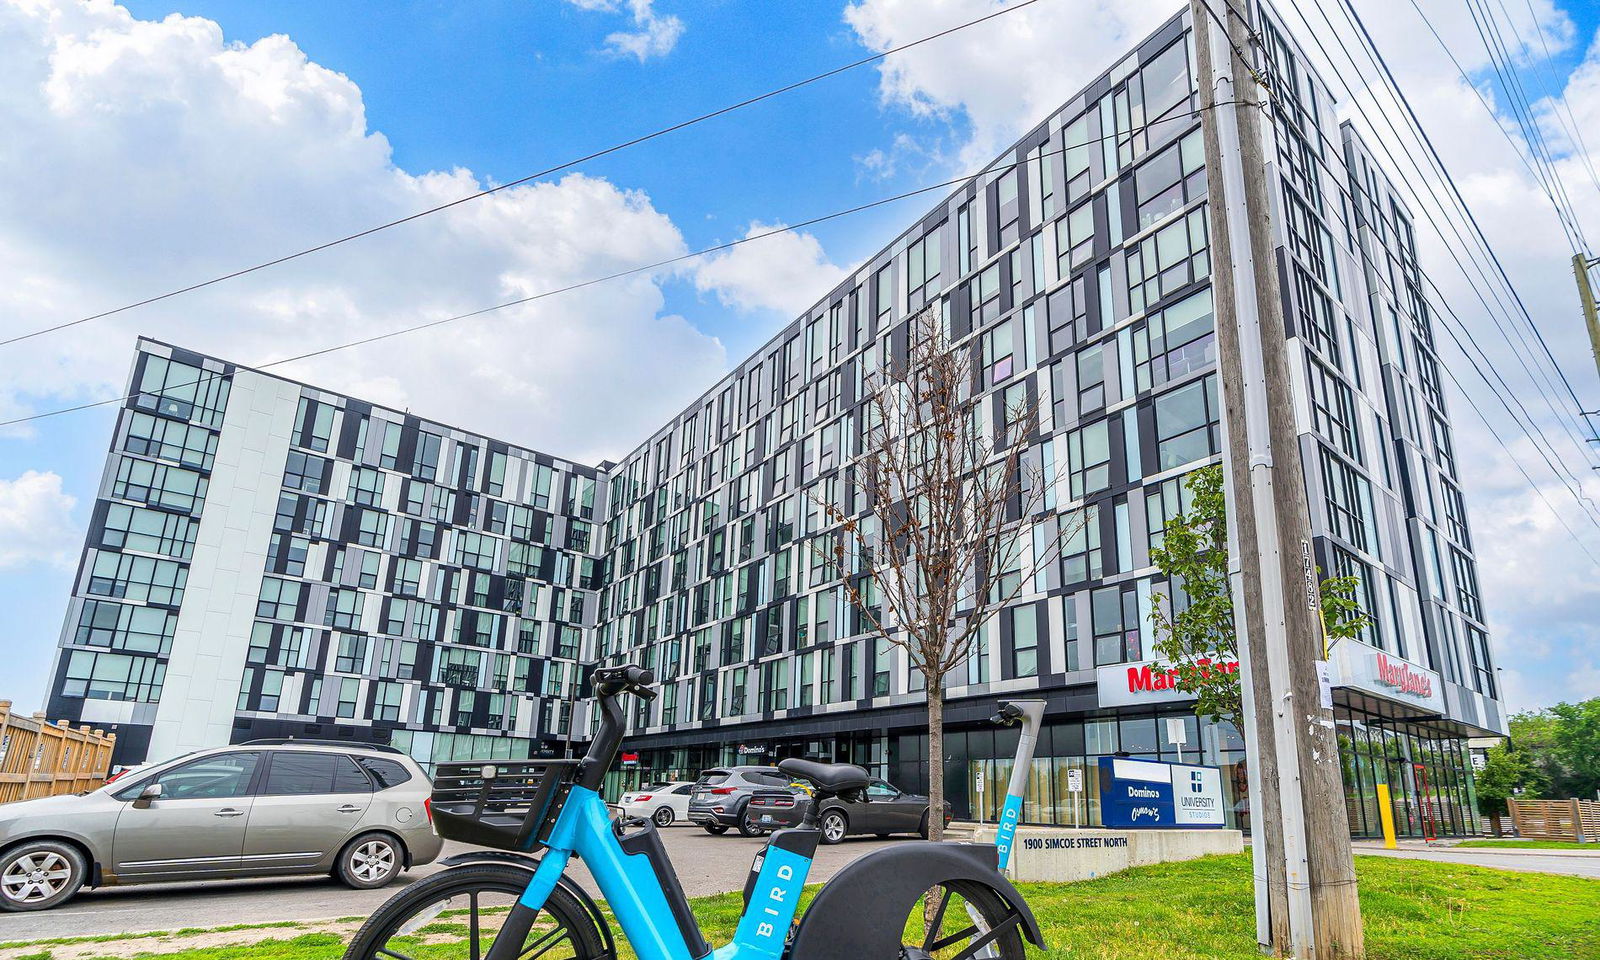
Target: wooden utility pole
{"type": "Point", "coordinates": [1306, 888]}
{"type": "Point", "coordinates": [1580, 269]}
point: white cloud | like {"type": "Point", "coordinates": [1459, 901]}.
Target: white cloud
{"type": "Point", "coordinates": [142, 155]}
{"type": "Point", "coordinates": [785, 272]}
{"type": "Point", "coordinates": [655, 35]}
{"type": "Point", "coordinates": [36, 521]}
{"type": "Point", "coordinates": [1000, 77]}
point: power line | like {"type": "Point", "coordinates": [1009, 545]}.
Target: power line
{"type": "Point", "coordinates": [643, 268]}
{"type": "Point", "coordinates": [1523, 470]}
{"type": "Point", "coordinates": [1495, 118]}
{"type": "Point", "coordinates": [1531, 429]}
{"type": "Point", "coordinates": [616, 148]}
{"type": "Point", "coordinates": [1421, 136]}
{"type": "Point", "coordinates": [1465, 78]}
{"type": "Point", "coordinates": [1419, 133]}
{"type": "Point", "coordinates": [1501, 58]}
{"type": "Point", "coordinates": [1575, 130]}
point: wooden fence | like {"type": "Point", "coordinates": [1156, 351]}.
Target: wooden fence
{"type": "Point", "coordinates": [1577, 820]}
{"type": "Point", "coordinates": [41, 759]}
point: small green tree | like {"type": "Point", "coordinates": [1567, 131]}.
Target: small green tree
{"type": "Point", "coordinates": [1507, 772]}
{"type": "Point", "coordinates": [1564, 742]}
{"type": "Point", "coordinates": [1195, 640]}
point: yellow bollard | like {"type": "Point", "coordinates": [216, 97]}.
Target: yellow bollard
{"type": "Point", "coordinates": [1386, 816]}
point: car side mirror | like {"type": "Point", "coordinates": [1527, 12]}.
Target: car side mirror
{"type": "Point", "coordinates": [151, 791]}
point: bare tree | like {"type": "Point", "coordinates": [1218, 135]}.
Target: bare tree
{"type": "Point", "coordinates": [956, 514]}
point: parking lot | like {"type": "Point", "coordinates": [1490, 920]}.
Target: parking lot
{"type": "Point", "coordinates": [705, 864]}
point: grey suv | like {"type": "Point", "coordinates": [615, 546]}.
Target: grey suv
{"type": "Point", "coordinates": [267, 808]}
{"type": "Point", "coordinates": [721, 796]}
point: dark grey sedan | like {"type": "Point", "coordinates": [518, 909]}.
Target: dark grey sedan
{"type": "Point", "coordinates": [881, 809]}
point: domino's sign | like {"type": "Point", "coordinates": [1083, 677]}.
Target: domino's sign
{"type": "Point", "coordinates": [1153, 794]}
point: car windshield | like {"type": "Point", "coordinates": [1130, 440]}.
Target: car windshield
{"type": "Point", "coordinates": [712, 777]}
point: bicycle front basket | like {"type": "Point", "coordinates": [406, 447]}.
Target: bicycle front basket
{"type": "Point", "coordinates": [506, 804]}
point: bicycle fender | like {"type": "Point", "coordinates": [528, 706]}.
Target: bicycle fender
{"type": "Point", "coordinates": [860, 913]}
{"type": "Point", "coordinates": [530, 864]}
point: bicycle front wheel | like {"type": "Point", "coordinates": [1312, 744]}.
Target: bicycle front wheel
{"type": "Point", "coordinates": [455, 914]}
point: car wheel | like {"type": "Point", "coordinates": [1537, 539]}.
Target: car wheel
{"type": "Point", "coordinates": [747, 824]}
{"type": "Point", "coordinates": [834, 827]}
{"type": "Point", "coordinates": [370, 861]}
{"type": "Point", "coordinates": [715, 829]}
{"type": "Point", "coordinates": [663, 817]}
{"type": "Point", "coordinates": [922, 828]}
{"type": "Point", "coordinates": [40, 875]}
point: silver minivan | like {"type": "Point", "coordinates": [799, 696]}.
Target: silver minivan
{"type": "Point", "coordinates": [267, 808]}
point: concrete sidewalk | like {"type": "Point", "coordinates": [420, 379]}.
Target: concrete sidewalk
{"type": "Point", "coordinates": [1576, 863]}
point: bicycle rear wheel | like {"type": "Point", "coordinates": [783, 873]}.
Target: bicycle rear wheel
{"type": "Point", "coordinates": [969, 921]}
{"type": "Point", "coordinates": [455, 914]}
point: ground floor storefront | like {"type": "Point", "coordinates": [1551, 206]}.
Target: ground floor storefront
{"type": "Point", "coordinates": [1425, 765]}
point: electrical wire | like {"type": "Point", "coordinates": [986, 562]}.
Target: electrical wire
{"type": "Point", "coordinates": [1501, 58]}
{"type": "Point", "coordinates": [1495, 117]}
{"type": "Point", "coordinates": [1560, 104]}
{"type": "Point", "coordinates": [631, 271]}
{"type": "Point", "coordinates": [615, 148]}
{"type": "Point", "coordinates": [1421, 135]}
{"type": "Point", "coordinates": [1339, 178]}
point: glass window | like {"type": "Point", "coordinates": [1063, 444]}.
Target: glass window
{"type": "Point", "coordinates": [425, 459]}
{"type": "Point", "coordinates": [144, 579]}
{"type": "Point", "coordinates": [1347, 495]}
{"type": "Point", "coordinates": [1025, 641]}
{"type": "Point", "coordinates": [165, 439]}
{"type": "Point", "coordinates": [1165, 80]}
{"type": "Point", "coordinates": [1081, 558]}
{"type": "Point", "coordinates": [1168, 260]}
{"type": "Point", "coordinates": [1178, 341]}
{"type": "Point", "coordinates": [1187, 424]}
{"type": "Point", "coordinates": [1088, 459]}
{"type": "Point", "coordinates": [313, 424]}
{"type": "Point", "coordinates": [310, 774]}
{"type": "Point", "coordinates": [159, 485]}
{"type": "Point", "coordinates": [366, 486]}
{"type": "Point", "coordinates": [209, 778]}
{"type": "Point", "coordinates": [113, 676]}
{"type": "Point", "coordinates": [1139, 736]}
{"type": "Point", "coordinates": [997, 354]}
{"type": "Point", "coordinates": [148, 531]}
{"type": "Point", "coordinates": [1075, 238]}
{"type": "Point", "coordinates": [305, 471]}
{"type": "Point", "coordinates": [179, 390]}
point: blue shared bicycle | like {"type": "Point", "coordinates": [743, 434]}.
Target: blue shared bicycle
{"type": "Point", "coordinates": [911, 901]}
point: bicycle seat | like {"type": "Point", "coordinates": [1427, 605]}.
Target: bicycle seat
{"type": "Point", "coordinates": [829, 777]}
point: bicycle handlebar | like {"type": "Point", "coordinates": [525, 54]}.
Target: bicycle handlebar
{"type": "Point", "coordinates": [631, 678]}
{"type": "Point", "coordinates": [1009, 713]}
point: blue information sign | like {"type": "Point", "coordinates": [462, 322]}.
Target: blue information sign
{"type": "Point", "coordinates": [1152, 794]}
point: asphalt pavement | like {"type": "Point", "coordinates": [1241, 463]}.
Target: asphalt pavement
{"type": "Point", "coordinates": [705, 865]}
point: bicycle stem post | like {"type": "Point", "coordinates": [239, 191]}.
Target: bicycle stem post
{"type": "Point", "coordinates": [1031, 713]}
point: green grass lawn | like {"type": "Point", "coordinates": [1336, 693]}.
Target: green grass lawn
{"type": "Point", "coordinates": [1534, 845]}
{"type": "Point", "coordinates": [1414, 910]}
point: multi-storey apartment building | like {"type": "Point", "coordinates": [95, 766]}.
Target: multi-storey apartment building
{"type": "Point", "coordinates": [268, 558]}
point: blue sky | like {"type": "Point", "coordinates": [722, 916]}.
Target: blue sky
{"type": "Point", "coordinates": [180, 148]}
